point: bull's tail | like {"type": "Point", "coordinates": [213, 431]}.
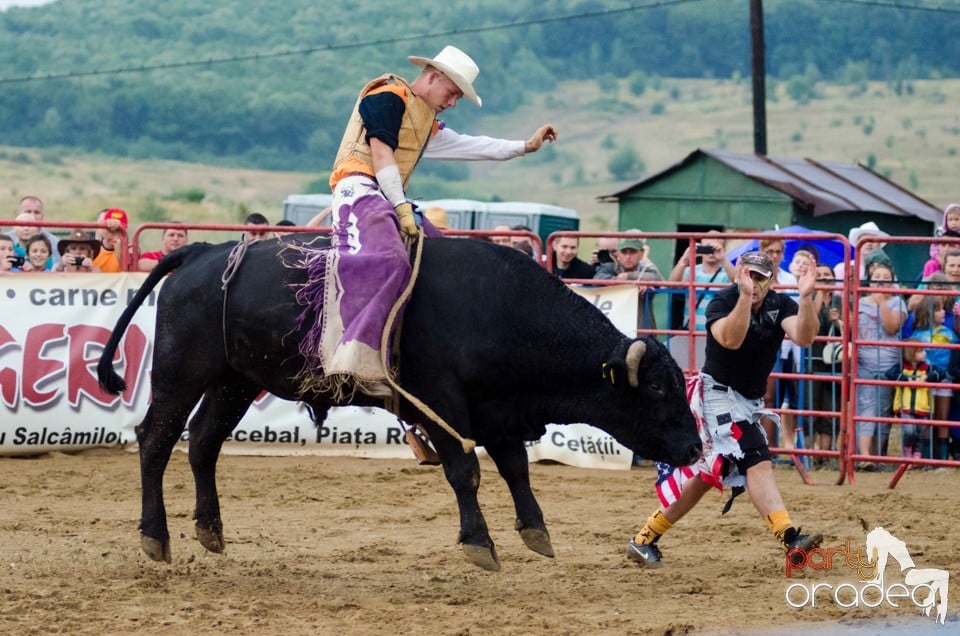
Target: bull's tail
{"type": "Point", "coordinates": [109, 380]}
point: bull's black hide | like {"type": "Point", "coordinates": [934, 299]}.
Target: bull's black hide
{"type": "Point", "coordinates": [494, 344]}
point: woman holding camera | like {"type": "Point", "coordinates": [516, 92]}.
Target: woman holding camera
{"type": "Point", "coordinates": [826, 360]}
{"type": "Point", "coordinates": [713, 268]}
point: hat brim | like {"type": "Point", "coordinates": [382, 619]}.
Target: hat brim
{"type": "Point", "coordinates": [763, 271]}
{"type": "Point", "coordinates": [63, 244]}
{"type": "Point", "coordinates": [465, 87]}
{"type": "Point", "coordinates": [856, 235]}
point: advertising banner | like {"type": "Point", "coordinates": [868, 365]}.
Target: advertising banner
{"type": "Point", "coordinates": [617, 302]}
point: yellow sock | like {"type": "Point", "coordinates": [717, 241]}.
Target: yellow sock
{"type": "Point", "coordinates": [778, 522]}
{"type": "Point", "coordinates": [656, 525]}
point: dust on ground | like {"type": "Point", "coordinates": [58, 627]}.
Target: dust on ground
{"type": "Point", "coordinates": [354, 546]}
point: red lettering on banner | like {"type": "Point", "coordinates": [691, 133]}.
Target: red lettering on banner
{"type": "Point", "coordinates": [8, 377]}
{"type": "Point", "coordinates": [82, 373]}
{"type": "Point", "coordinates": [44, 360]}
{"type": "Point", "coordinates": [36, 369]}
{"type": "Point", "coordinates": [134, 348]}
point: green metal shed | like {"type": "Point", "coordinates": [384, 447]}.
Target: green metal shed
{"type": "Point", "coordinates": [727, 191]}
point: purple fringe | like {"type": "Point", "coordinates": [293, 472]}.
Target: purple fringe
{"type": "Point", "coordinates": [310, 296]}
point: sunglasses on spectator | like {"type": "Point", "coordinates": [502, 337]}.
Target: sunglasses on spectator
{"type": "Point", "coordinates": [761, 280]}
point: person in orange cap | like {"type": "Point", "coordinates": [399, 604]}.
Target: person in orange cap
{"type": "Point", "coordinates": [110, 237]}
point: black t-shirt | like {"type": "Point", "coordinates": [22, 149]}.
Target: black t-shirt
{"type": "Point", "coordinates": [746, 369]}
{"type": "Point", "coordinates": [382, 114]}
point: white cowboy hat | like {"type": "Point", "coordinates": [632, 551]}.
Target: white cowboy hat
{"type": "Point", "coordinates": [867, 229]}
{"type": "Point", "coordinates": [456, 65]}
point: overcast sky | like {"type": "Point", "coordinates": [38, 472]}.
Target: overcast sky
{"type": "Point", "coordinates": [22, 3]}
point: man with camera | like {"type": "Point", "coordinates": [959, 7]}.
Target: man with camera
{"type": "Point", "coordinates": [605, 252]}
{"type": "Point", "coordinates": [713, 268]}
{"type": "Point", "coordinates": [633, 263]}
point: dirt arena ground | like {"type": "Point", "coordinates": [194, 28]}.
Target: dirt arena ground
{"type": "Point", "coordinates": [351, 546]}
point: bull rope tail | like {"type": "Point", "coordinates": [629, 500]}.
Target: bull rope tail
{"type": "Point", "coordinates": [233, 265]}
{"type": "Point", "coordinates": [467, 443]}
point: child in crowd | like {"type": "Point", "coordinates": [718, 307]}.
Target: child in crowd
{"type": "Point", "coordinates": [8, 259]}
{"type": "Point", "coordinates": [951, 221]}
{"type": "Point", "coordinates": [950, 228]}
{"type": "Point", "coordinates": [935, 263]}
{"type": "Point", "coordinates": [110, 237]}
{"type": "Point", "coordinates": [77, 253]}
{"type": "Point", "coordinates": [913, 402]}
{"type": "Point", "coordinates": [802, 259]}
{"type": "Point", "coordinates": [928, 326]}
{"type": "Point", "coordinates": [38, 254]}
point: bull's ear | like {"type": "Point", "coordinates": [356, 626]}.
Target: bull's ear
{"type": "Point", "coordinates": [622, 368]}
{"type": "Point", "coordinates": [615, 372]}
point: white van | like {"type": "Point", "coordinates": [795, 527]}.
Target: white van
{"type": "Point", "coordinates": [300, 208]}
{"type": "Point", "coordinates": [462, 214]}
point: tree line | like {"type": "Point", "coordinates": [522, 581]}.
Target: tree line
{"type": "Point", "coordinates": [269, 85]}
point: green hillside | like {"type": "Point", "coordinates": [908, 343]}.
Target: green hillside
{"type": "Point", "coordinates": [912, 138]}
{"type": "Point", "coordinates": [245, 83]}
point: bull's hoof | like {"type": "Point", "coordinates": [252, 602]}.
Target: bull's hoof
{"type": "Point", "coordinates": [538, 541]}
{"type": "Point", "coordinates": [155, 548]}
{"type": "Point", "coordinates": [212, 540]}
{"type": "Point", "coordinates": [483, 556]}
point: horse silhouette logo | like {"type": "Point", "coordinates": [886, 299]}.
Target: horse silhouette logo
{"type": "Point", "coordinates": [882, 545]}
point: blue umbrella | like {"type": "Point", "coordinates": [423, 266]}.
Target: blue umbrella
{"type": "Point", "coordinates": [829, 250]}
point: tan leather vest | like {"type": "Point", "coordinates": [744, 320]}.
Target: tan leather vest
{"type": "Point", "coordinates": [416, 127]}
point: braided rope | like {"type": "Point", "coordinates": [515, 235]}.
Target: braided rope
{"type": "Point", "coordinates": [233, 264]}
{"type": "Point", "coordinates": [229, 272]}
{"type": "Point", "coordinates": [467, 444]}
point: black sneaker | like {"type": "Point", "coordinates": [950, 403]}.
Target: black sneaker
{"type": "Point", "coordinates": [793, 540]}
{"type": "Point", "coordinates": [646, 554]}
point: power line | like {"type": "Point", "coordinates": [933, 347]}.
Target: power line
{"type": "Point", "coordinates": [143, 68]}
{"type": "Point", "coordinates": [934, 6]}
{"type": "Point", "coordinates": [917, 5]}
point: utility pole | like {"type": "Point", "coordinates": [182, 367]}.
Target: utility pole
{"type": "Point", "coordinates": [759, 73]}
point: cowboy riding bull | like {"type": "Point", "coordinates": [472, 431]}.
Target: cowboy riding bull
{"type": "Point", "coordinates": [493, 344]}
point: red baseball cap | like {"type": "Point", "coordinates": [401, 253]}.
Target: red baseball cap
{"type": "Point", "coordinates": [118, 214]}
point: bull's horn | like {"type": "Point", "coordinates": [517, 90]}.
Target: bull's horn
{"type": "Point", "coordinates": [634, 356]}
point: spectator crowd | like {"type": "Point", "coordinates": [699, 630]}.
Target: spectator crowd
{"type": "Point", "coordinates": [30, 247]}
{"type": "Point", "coordinates": [904, 333]}
{"type": "Point", "coordinates": [905, 327]}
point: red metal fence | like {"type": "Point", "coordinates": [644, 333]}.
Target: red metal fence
{"type": "Point", "coordinates": [846, 454]}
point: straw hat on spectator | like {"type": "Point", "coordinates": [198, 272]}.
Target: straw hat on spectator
{"type": "Point", "coordinates": [437, 216]}
{"type": "Point", "coordinates": [867, 229]}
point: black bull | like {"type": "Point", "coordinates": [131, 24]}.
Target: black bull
{"type": "Point", "coordinates": [493, 343]}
